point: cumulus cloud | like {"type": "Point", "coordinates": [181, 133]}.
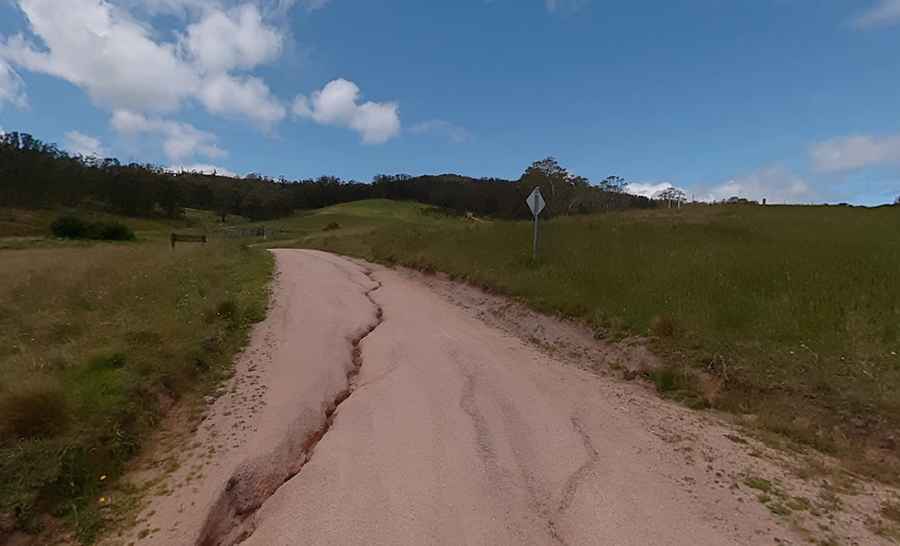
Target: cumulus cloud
{"type": "Point", "coordinates": [283, 6]}
{"type": "Point", "coordinates": [174, 7]}
{"type": "Point", "coordinates": [185, 8]}
{"type": "Point", "coordinates": [237, 38]}
{"type": "Point", "coordinates": [118, 61]}
{"type": "Point", "coordinates": [337, 104]}
{"type": "Point", "coordinates": [311, 5]}
{"type": "Point", "coordinates": [12, 89]}
{"type": "Point", "coordinates": [557, 5]}
{"type": "Point", "coordinates": [245, 97]}
{"type": "Point", "coordinates": [180, 140]}
{"type": "Point", "coordinates": [452, 132]}
{"type": "Point", "coordinates": [647, 189]}
{"type": "Point", "coordinates": [79, 143]}
{"type": "Point", "coordinates": [854, 152]}
{"type": "Point", "coordinates": [131, 70]}
{"type": "Point", "coordinates": [202, 169]}
{"type": "Point", "coordinates": [775, 184]}
{"type": "Point", "coordinates": [99, 48]}
{"type": "Point", "coordinates": [883, 13]}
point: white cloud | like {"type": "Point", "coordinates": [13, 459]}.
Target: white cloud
{"type": "Point", "coordinates": [775, 184]}
{"type": "Point", "coordinates": [556, 5]}
{"type": "Point", "coordinates": [95, 46]}
{"type": "Point", "coordinates": [454, 133]}
{"type": "Point", "coordinates": [118, 61]}
{"type": "Point", "coordinates": [647, 189]}
{"type": "Point", "coordinates": [180, 140]}
{"type": "Point", "coordinates": [312, 5]}
{"type": "Point", "coordinates": [176, 7]}
{"type": "Point", "coordinates": [12, 89]}
{"type": "Point", "coordinates": [185, 8]}
{"type": "Point", "coordinates": [283, 6]}
{"type": "Point", "coordinates": [854, 152]}
{"type": "Point", "coordinates": [247, 97]}
{"type": "Point", "coordinates": [337, 104]}
{"type": "Point", "coordinates": [79, 143]}
{"type": "Point", "coordinates": [237, 38]}
{"type": "Point", "coordinates": [883, 13]}
{"type": "Point", "coordinates": [202, 169]}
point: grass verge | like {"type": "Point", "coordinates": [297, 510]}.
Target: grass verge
{"type": "Point", "coordinates": [96, 343]}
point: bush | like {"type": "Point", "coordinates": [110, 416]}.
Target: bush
{"type": "Point", "coordinates": [35, 408]}
{"type": "Point", "coordinates": [69, 227]}
{"type": "Point", "coordinates": [72, 227]}
{"type": "Point", "coordinates": [112, 231]}
{"type": "Point", "coordinates": [331, 226]}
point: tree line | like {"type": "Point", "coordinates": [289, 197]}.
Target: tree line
{"type": "Point", "coordinates": [36, 174]}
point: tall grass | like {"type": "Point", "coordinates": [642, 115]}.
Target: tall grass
{"type": "Point", "coordinates": [94, 341]}
{"type": "Point", "coordinates": [796, 310]}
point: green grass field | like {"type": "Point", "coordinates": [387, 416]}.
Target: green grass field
{"type": "Point", "coordinates": [96, 340]}
{"type": "Point", "coordinates": [790, 315]}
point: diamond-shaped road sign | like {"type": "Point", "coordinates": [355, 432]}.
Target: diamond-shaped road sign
{"type": "Point", "coordinates": [535, 202]}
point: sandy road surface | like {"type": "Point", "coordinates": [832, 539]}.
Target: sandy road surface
{"type": "Point", "coordinates": [446, 431]}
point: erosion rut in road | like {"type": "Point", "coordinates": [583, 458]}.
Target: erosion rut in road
{"type": "Point", "coordinates": [369, 409]}
{"type": "Point", "coordinates": [230, 519]}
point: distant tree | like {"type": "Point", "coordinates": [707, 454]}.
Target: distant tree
{"type": "Point", "coordinates": [735, 200]}
{"type": "Point", "coordinates": [548, 167]}
{"type": "Point", "coordinates": [672, 196]}
{"type": "Point", "coordinates": [897, 200]}
{"type": "Point", "coordinates": [557, 185]}
{"type": "Point", "coordinates": [552, 179]}
{"type": "Point", "coordinates": [170, 197]}
{"type": "Point", "coordinates": [613, 183]}
{"type": "Point", "coordinates": [38, 174]}
{"type": "Point", "coordinates": [580, 182]}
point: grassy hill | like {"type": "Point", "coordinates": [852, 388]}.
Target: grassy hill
{"type": "Point", "coordinates": [789, 316]}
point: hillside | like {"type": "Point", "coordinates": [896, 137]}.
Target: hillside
{"type": "Point", "coordinates": [37, 174]}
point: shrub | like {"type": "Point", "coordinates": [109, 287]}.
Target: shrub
{"type": "Point", "coordinates": [72, 227]}
{"type": "Point", "coordinates": [34, 408]}
{"type": "Point", "coordinates": [69, 227]}
{"type": "Point", "coordinates": [111, 231]}
{"type": "Point", "coordinates": [331, 226]}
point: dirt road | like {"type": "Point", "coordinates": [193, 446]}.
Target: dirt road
{"type": "Point", "coordinates": [371, 410]}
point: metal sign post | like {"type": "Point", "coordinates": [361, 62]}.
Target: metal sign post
{"type": "Point", "coordinates": [536, 203]}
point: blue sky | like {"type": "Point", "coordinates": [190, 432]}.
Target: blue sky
{"type": "Point", "coordinates": [793, 100]}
